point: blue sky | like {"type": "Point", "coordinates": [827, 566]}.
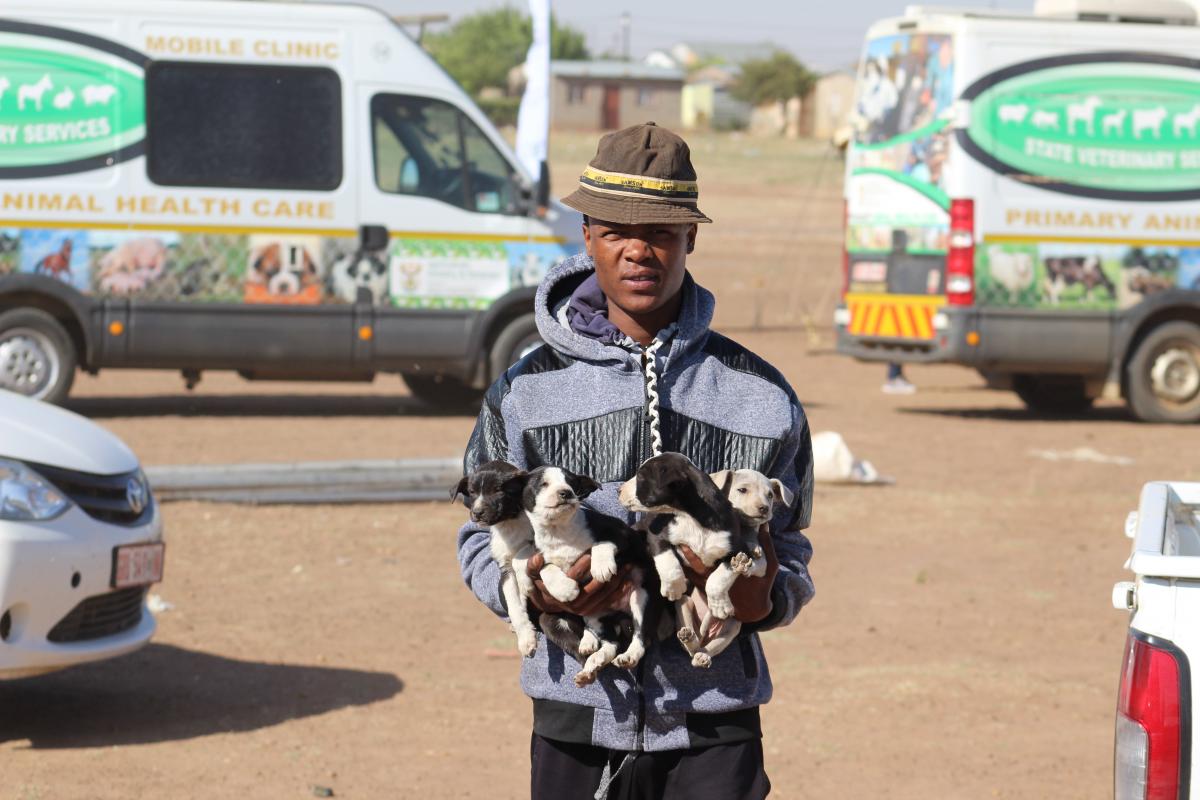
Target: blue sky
{"type": "Point", "coordinates": [823, 35]}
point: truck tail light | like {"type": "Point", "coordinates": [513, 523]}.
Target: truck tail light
{"type": "Point", "coordinates": [1150, 729]}
{"type": "Point", "coordinates": [845, 249]}
{"type": "Point", "coordinates": [960, 260]}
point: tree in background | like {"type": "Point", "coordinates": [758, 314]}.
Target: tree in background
{"type": "Point", "coordinates": [480, 49]}
{"type": "Point", "coordinates": [778, 78]}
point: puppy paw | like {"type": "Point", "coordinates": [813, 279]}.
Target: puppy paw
{"type": "Point", "coordinates": [604, 562]}
{"type": "Point", "coordinates": [741, 563]}
{"type": "Point", "coordinates": [588, 643]}
{"type": "Point", "coordinates": [674, 588]}
{"type": "Point", "coordinates": [685, 634]}
{"type": "Point", "coordinates": [630, 658]}
{"type": "Point", "coordinates": [757, 552]}
{"type": "Point", "coordinates": [584, 678]}
{"type": "Point", "coordinates": [560, 587]}
{"type": "Point", "coordinates": [527, 643]}
{"type": "Point", "coordinates": [720, 607]}
{"type": "Point", "coordinates": [701, 660]}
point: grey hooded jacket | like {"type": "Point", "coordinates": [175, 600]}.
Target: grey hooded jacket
{"type": "Point", "coordinates": [581, 404]}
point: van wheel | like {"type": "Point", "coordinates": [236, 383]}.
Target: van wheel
{"type": "Point", "coordinates": [37, 357]}
{"type": "Point", "coordinates": [519, 338]}
{"type": "Point", "coordinates": [1163, 376]}
{"type": "Point", "coordinates": [442, 391]}
{"type": "Point", "coordinates": [1053, 394]}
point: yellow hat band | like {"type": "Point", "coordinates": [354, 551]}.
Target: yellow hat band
{"type": "Point", "coordinates": [619, 183]}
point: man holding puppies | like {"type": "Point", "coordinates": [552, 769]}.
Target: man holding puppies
{"type": "Point", "coordinates": [630, 369]}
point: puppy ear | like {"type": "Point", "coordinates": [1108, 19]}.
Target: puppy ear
{"type": "Point", "coordinates": [515, 483]}
{"type": "Point", "coordinates": [707, 490]}
{"type": "Point", "coordinates": [583, 485]}
{"type": "Point", "coordinates": [782, 493]}
{"type": "Point", "coordinates": [460, 488]}
{"type": "Point", "coordinates": [529, 496]}
{"type": "Point", "coordinates": [720, 477]}
{"type": "Point", "coordinates": [727, 482]}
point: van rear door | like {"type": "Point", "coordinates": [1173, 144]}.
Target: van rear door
{"type": "Point", "coordinates": [897, 209]}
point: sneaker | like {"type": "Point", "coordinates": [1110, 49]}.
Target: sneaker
{"type": "Point", "coordinates": [898, 385]}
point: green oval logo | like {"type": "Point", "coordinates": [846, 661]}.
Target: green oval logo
{"type": "Point", "coordinates": [1104, 125]}
{"type": "Point", "coordinates": [69, 102]}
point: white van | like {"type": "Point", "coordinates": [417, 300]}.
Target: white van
{"type": "Point", "coordinates": [289, 190]}
{"type": "Point", "coordinates": [1023, 197]}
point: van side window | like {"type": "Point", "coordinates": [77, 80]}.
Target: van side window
{"type": "Point", "coordinates": [243, 126]}
{"type": "Point", "coordinates": [429, 148]}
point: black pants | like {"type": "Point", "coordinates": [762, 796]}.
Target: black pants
{"type": "Point", "coordinates": [565, 771]}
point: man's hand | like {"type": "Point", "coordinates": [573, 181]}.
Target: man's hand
{"type": "Point", "coordinates": [751, 596]}
{"type": "Point", "coordinates": [594, 596]}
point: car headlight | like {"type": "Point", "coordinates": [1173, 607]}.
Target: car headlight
{"type": "Point", "coordinates": [25, 496]}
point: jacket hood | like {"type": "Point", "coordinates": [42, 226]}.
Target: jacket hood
{"type": "Point", "coordinates": [695, 315]}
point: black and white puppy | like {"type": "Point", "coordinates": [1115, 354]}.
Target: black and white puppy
{"type": "Point", "coordinates": [562, 532]}
{"type": "Point", "coordinates": [690, 509]}
{"type": "Point", "coordinates": [493, 495]}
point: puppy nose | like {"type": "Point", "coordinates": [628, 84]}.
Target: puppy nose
{"type": "Point", "coordinates": [763, 509]}
{"type": "Point", "coordinates": [565, 494]}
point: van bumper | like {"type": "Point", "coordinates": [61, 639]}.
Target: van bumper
{"type": "Point", "coordinates": [999, 341]}
{"type": "Point", "coordinates": [947, 345]}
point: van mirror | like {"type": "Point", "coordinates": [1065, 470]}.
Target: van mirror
{"type": "Point", "coordinates": [372, 238]}
{"type": "Point", "coordinates": [534, 199]}
{"type": "Point", "coordinates": [542, 198]}
{"type": "Point", "coordinates": [410, 176]}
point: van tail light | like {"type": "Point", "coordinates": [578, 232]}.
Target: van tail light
{"type": "Point", "coordinates": [845, 248]}
{"type": "Point", "coordinates": [960, 260]}
{"type": "Point", "coordinates": [1150, 731]}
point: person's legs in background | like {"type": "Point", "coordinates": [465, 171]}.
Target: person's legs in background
{"type": "Point", "coordinates": [896, 382]}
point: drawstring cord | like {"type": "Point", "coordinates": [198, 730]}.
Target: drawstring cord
{"type": "Point", "coordinates": [649, 363]}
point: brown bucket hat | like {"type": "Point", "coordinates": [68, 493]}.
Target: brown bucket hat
{"type": "Point", "coordinates": [641, 175]}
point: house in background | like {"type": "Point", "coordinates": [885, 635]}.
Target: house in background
{"type": "Point", "coordinates": [826, 108]}
{"type": "Point", "coordinates": [707, 102]}
{"type": "Point", "coordinates": [606, 95]}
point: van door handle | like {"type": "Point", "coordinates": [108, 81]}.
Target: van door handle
{"type": "Point", "coordinates": [372, 238]}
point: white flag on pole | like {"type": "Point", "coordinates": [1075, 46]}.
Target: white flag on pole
{"type": "Point", "coordinates": [533, 118]}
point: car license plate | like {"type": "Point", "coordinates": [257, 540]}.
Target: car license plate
{"type": "Point", "coordinates": [137, 565]}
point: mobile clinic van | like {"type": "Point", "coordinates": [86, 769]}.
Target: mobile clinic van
{"type": "Point", "coordinates": [1023, 197]}
{"type": "Point", "coordinates": [285, 190]}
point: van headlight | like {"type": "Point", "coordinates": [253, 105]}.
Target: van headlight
{"type": "Point", "coordinates": [25, 496]}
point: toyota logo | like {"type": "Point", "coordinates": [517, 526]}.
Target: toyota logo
{"type": "Point", "coordinates": [136, 494]}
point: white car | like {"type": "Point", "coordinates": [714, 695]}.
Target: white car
{"type": "Point", "coordinates": [80, 541]}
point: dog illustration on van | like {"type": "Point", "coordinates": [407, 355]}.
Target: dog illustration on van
{"type": "Point", "coordinates": [283, 271]}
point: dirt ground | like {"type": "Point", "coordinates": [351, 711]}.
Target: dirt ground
{"type": "Point", "coordinates": [961, 644]}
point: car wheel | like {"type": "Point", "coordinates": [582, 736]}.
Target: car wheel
{"type": "Point", "coordinates": [1162, 378]}
{"type": "Point", "coordinates": [37, 356]}
{"type": "Point", "coordinates": [1053, 394]}
{"type": "Point", "coordinates": [518, 339]}
{"type": "Point", "coordinates": [443, 391]}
